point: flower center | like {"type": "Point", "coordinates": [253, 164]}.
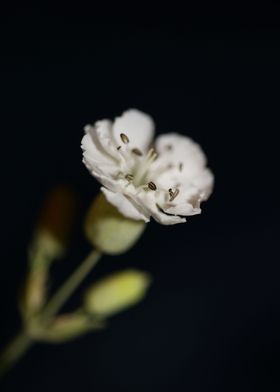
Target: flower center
{"type": "Point", "coordinates": [142, 168]}
{"type": "Point", "coordinates": [139, 174]}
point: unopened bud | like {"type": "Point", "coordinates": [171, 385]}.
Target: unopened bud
{"type": "Point", "coordinates": [108, 230]}
{"type": "Point", "coordinates": [51, 235]}
{"type": "Point", "coordinates": [55, 223]}
{"type": "Point", "coordinates": [117, 292]}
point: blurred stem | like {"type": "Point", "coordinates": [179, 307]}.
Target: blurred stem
{"type": "Point", "coordinates": [20, 344]}
{"type": "Point", "coordinates": [64, 292]}
{"type": "Point", "coordinates": [14, 351]}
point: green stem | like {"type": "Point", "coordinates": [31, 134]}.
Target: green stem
{"type": "Point", "coordinates": [14, 351]}
{"type": "Point", "coordinates": [20, 344]}
{"type": "Point", "coordinates": [64, 292]}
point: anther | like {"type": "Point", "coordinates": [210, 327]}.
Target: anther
{"type": "Point", "coordinates": [152, 154]}
{"type": "Point", "coordinates": [118, 148]}
{"type": "Point", "coordinates": [129, 177]}
{"type": "Point", "coordinates": [173, 194]}
{"type": "Point", "coordinates": [181, 166]}
{"type": "Point", "coordinates": [168, 147]}
{"type": "Point", "coordinates": [152, 186]}
{"type": "Point", "coordinates": [136, 151]}
{"type": "Point", "coordinates": [124, 138]}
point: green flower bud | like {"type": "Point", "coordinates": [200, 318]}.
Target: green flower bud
{"type": "Point", "coordinates": [116, 292]}
{"type": "Point", "coordinates": [108, 230]}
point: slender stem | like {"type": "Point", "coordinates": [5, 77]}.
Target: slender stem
{"type": "Point", "coordinates": [14, 351]}
{"type": "Point", "coordinates": [20, 344]}
{"type": "Point", "coordinates": [64, 292]}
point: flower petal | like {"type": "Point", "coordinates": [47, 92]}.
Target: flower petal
{"type": "Point", "coordinates": [104, 179]}
{"type": "Point", "coordinates": [149, 202]}
{"type": "Point", "coordinates": [102, 137]}
{"type": "Point", "coordinates": [96, 145]}
{"type": "Point", "coordinates": [124, 206]}
{"type": "Point", "coordinates": [93, 150]}
{"type": "Point", "coordinates": [137, 126]}
{"type": "Point", "coordinates": [181, 152]}
{"type": "Point", "coordinates": [187, 196]}
{"type": "Point", "coordinates": [165, 219]}
{"type": "Point", "coordinates": [204, 182]}
{"type": "Point", "coordinates": [187, 203]}
{"type": "Point", "coordinates": [183, 209]}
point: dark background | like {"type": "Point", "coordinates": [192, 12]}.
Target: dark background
{"type": "Point", "coordinates": [211, 321]}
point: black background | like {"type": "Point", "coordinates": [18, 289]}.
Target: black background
{"type": "Point", "coordinates": [211, 320]}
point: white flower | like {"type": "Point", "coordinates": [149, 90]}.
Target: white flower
{"type": "Point", "coordinates": [166, 182]}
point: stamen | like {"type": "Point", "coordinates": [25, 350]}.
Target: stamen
{"type": "Point", "coordinates": [144, 167]}
{"type": "Point", "coordinates": [172, 194]}
{"type": "Point", "coordinates": [152, 186]}
{"type": "Point", "coordinates": [124, 138]}
{"type": "Point", "coordinates": [129, 177]}
{"type": "Point", "coordinates": [136, 151]}
{"type": "Point", "coordinates": [118, 148]}
{"type": "Point", "coordinates": [151, 154]}
{"type": "Point", "coordinates": [181, 166]}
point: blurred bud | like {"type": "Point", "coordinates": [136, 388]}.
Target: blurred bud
{"type": "Point", "coordinates": [51, 235]}
{"type": "Point", "coordinates": [64, 327]}
{"type": "Point", "coordinates": [55, 223]}
{"type": "Point", "coordinates": [108, 230]}
{"type": "Point", "coordinates": [116, 292]}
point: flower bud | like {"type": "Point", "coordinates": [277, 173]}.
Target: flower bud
{"type": "Point", "coordinates": [116, 292]}
{"type": "Point", "coordinates": [108, 230]}
{"type": "Point", "coordinates": [50, 240]}
{"type": "Point", "coordinates": [55, 223]}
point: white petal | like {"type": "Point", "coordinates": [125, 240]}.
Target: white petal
{"type": "Point", "coordinates": [183, 209]}
{"type": "Point", "coordinates": [104, 179]}
{"type": "Point", "coordinates": [124, 206]}
{"type": "Point", "coordinates": [149, 202]}
{"type": "Point", "coordinates": [97, 144]}
{"type": "Point", "coordinates": [102, 137]}
{"type": "Point", "coordinates": [180, 151]}
{"type": "Point", "coordinates": [165, 219]}
{"type": "Point", "coordinates": [101, 167]}
{"type": "Point", "coordinates": [204, 182]}
{"type": "Point", "coordinates": [171, 178]}
{"type": "Point", "coordinates": [93, 150]}
{"type": "Point", "coordinates": [186, 203]}
{"type": "Point", "coordinates": [137, 126]}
